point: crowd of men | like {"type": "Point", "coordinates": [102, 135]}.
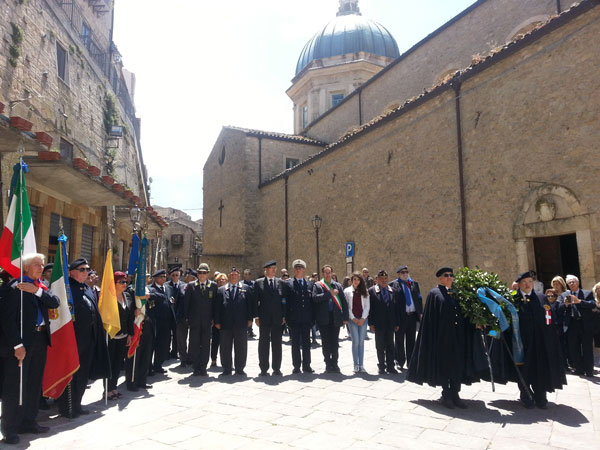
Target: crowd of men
{"type": "Point", "coordinates": [196, 318]}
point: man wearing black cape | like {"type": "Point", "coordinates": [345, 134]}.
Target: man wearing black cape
{"type": "Point", "coordinates": [543, 370]}
{"type": "Point", "coordinates": [441, 356]}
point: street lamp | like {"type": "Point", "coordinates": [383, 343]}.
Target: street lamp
{"type": "Point", "coordinates": [135, 214]}
{"type": "Point", "coordinates": [316, 223]}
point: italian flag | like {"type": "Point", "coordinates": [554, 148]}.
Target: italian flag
{"type": "Point", "coordinates": [140, 296]}
{"type": "Point", "coordinates": [19, 217]}
{"type": "Point", "coordinates": [62, 359]}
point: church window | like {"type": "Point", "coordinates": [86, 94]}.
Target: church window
{"type": "Point", "coordinates": [291, 162]}
{"type": "Point", "coordinates": [61, 62]}
{"type": "Point", "coordinates": [336, 99]}
{"type": "Point", "coordinates": [222, 156]}
{"type": "Point", "coordinates": [304, 116]}
{"type": "Point", "coordinates": [177, 240]}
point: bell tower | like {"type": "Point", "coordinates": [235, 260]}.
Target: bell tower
{"type": "Point", "coordinates": [348, 7]}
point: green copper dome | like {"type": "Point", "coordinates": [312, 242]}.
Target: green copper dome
{"type": "Point", "coordinates": [348, 33]}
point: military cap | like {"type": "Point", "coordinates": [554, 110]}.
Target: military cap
{"type": "Point", "coordinates": [203, 268]}
{"type": "Point", "coordinates": [270, 263]}
{"type": "Point", "coordinates": [158, 273]}
{"type": "Point", "coordinates": [174, 269]}
{"type": "Point", "coordinates": [523, 276]}
{"type": "Point", "coordinates": [191, 272]}
{"type": "Point", "coordinates": [78, 262]}
{"type": "Point", "coordinates": [382, 273]}
{"type": "Point", "coordinates": [234, 269]}
{"type": "Point", "coordinates": [48, 267]}
{"type": "Point", "coordinates": [298, 263]}
{"type": "Point", "coordinates": [401, 268]}
{"type": "Point", "coordinates": [442, 270]}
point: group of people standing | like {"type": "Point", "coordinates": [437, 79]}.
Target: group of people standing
{"type": "Point", "coordinates": [200, 316]}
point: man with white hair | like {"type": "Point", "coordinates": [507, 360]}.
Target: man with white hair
{"type": "Point", "coordinates": [576, 307]}
{"type": "Point", "coordinates": [25, 348]}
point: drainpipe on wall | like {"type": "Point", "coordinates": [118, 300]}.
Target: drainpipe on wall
{"type": "Point", "coordinates": [259, 161]}
{"type": "Point", "coordinates": [287, 237]}
{"type": "Point", "coordinates": [461, 177]}
{"type": "Point", "coordinates": [359, 106]}
{"type": "Point", "coordinates": [558, 7]}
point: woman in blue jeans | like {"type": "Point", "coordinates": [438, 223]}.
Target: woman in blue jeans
{"type": "Point", "coordinates": [357, 299]}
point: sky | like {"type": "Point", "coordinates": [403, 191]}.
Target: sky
{"type": "Point", "coordinates": [204, 64]}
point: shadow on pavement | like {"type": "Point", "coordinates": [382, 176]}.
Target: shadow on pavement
{"type": "Point", "coordinates": [477, 411]}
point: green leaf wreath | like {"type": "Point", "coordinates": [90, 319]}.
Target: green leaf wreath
{"type": "Point", "coordinates": [466, 283]}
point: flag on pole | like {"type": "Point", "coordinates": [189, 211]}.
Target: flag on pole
{"type": "Point", "coordinates": [134, 255]}
{"type": "Point", "coordinates": [140, 293]}
{"type": "Point", "coordinates": [62, 359]}
{"type": "Point", "coordinates": [19, 214]}
{"type": "Point", "coordinates": [107, 303]}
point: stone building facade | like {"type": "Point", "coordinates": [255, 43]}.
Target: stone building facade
{"type": "Point", "coordinates": [182, 239]}
{"type": "Point", "coordinates": [492, 167]}
{"type": "Point", "coordinates": [61, 72]}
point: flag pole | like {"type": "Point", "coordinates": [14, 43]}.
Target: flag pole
{"type": "Point", "coordinates": [21, 263]}
{"type": "Point", "coordinates": [106, 380]}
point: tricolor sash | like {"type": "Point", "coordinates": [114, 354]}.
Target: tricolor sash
{"type": "Point", "coordinates": [336, 298]}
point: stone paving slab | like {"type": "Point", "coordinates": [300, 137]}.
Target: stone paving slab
{"type": "Point", "coordinates": [317, 411]}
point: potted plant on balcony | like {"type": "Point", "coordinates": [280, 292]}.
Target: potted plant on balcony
{"type": "Point", "coordinates": [135, 199]}
{"type": "Point", "coordinates": [1, 107]}
{"type": "Point", "coordinates": [93, 171]}
{"type": "Point", "coordinates": [128, 192]}
{"type": "Point", "coordinates": [80, 163]}
{"type": "Point", "coordinates": [20, 123]}
{"type": "Point", "coordinates": [44, 138]}
{"type": "Point", "coordinates": [107, 179]}
{"type": "Point", "coordinates": [117, 187]}
{"type": "Point", "coordinates": [49, 155]}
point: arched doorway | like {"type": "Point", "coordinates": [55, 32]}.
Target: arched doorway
{"type": "Point", "coordinates": [553, 236]}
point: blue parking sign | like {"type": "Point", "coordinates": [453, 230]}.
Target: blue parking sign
{"type": "Point", "coordinates": [349, 249]}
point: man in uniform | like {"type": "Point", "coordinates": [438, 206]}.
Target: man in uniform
{"type": "Point", "coordinates": [176, 290]}
{"type": "Point", "coordinates": [297, 292]}
{"type": "Point", "coordinates": [440, 356]}
{"type": "Point", "coordinates": [158, 304]}
{"type": "Point", "coordinates": [199, 301]}
{"type": "Point", "coordinates": [233, 316]}
{"type": "Point", "coordinates": [383, 320]}
{"type": "Point", "coordinates": [410, 295]}
{"type": "Point", "coordinates": [47, 274]}
{"type": "Point", "coordinates": [331, 312]}
{"type": "Point", "coordinates": [90, 337]}
{"type": "Point", "coordinates": [248, 281]}
{"type": "Point", "coordinates": [24, 348]}
{"type": "Point", "coordinates": [269, 311]}
{"type": "Point", "coordinates": [543, 370]}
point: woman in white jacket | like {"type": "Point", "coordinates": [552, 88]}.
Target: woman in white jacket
{"type": "Point", "coordinates": [357, 299]}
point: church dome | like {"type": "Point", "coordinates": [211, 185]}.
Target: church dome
{"type": "Point", "coordinates": [348, 33]}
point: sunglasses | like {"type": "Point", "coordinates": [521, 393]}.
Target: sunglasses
{"type": "Point", "coordinates": [84, 269]}
{"type": "Point", "coordinates": [448, 275]}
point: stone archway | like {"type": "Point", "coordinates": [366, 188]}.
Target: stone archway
{"type": "Point", "coordinates": [553, 210]}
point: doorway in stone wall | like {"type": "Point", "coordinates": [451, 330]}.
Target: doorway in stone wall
{"type": "Point", "coordinates": [556, 255]}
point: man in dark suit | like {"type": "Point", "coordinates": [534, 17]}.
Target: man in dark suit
{"type": "Point", "coordinates": [199, 301]}
{"type": "Point", "coordinates": [176, 291]}
{"type": "Point", "coordinates": [28, 351]}
{"type": "Point", "coordinates": [269, 311]}
{"type": "Point", "coordinates": [297, 292]}
{"type": "Point", "coordinates": [576, 307]}
{"type": "Point", "coordinates": [331, 312]}
{"type": "Point", "coordinates": [440, 356]}
{"type": "Point", "coordinates": [409, 295]}
{"type": "Point", "coordinates": [158, 305]}
{"type": "Point", "coordinates": [90, 337]}
{"type": "Point", "coordinates": [383, 320]}
{"type": "Point", "coordinates": [233, 316]}
{"type": "Point", "coordinates": [248, 281]}
{"type": "Point", "coordinates": [543, 369]}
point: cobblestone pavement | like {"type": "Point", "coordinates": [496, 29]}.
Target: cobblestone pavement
{"type": "Point", "coordinates": [321, 411]}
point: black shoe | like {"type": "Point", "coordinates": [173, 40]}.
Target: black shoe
{"type": "Point", "coordinates": [145, 386]}
{"type": "Point", "coordinates": [296, 370]}
{"type": "Point", "coordinates": [33, 429]}
{"type": "Point", "coordinates": [528, 404]}
{"type": "Point", "coordinates": [308, 370]}
{"type": "Point", "coordinates": [200, 373]}
{"type": "Point", "coordinates": [240, 372]}
{"type": "Point", "coordinates": [82, 412]}
{"type": "Point", "coordinates": [150, 372]}
{"type": "Point", "coordinates": [183, 365]}
{"type": "Point", "coordinates": [66, 415]}
{"type": "Point", "coordinates": [458, 402]}
{"type": "Point", "coordinates": [381, 372]}
{"type": "Point", "coordinates": [263, 373]}
{"type": "Point", "coordinates": [277, 373]}
{"type": "Point", "coordinates": [392, 371]}
{"type": "Point", "coordinates": [226, 372]}
{"type": "Point", "coordinates": [447, 402]}
{"type": "Point", "coordinates": [132, 387]}
{"type": "Point", "coordinates": [173, 355]}
{"type": "Point", "coordinates": [542, 404]}
{"type": "Point", "coordinates": [11, 439]}
{"type": "Point", "coordinates": [160, 370]}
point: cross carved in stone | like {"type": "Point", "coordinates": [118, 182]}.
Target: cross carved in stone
{"type": "Point", "coordinates": [221, 214]}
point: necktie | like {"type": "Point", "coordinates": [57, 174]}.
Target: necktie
{"type": "Point", "coordinates": [271, 284]}
{"type": "Point", "coordinates": [232, 291]}
{"type": "Point", "coordinates": [202, 286]}
{"type": "Point", "coordinates": [384, 294]}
